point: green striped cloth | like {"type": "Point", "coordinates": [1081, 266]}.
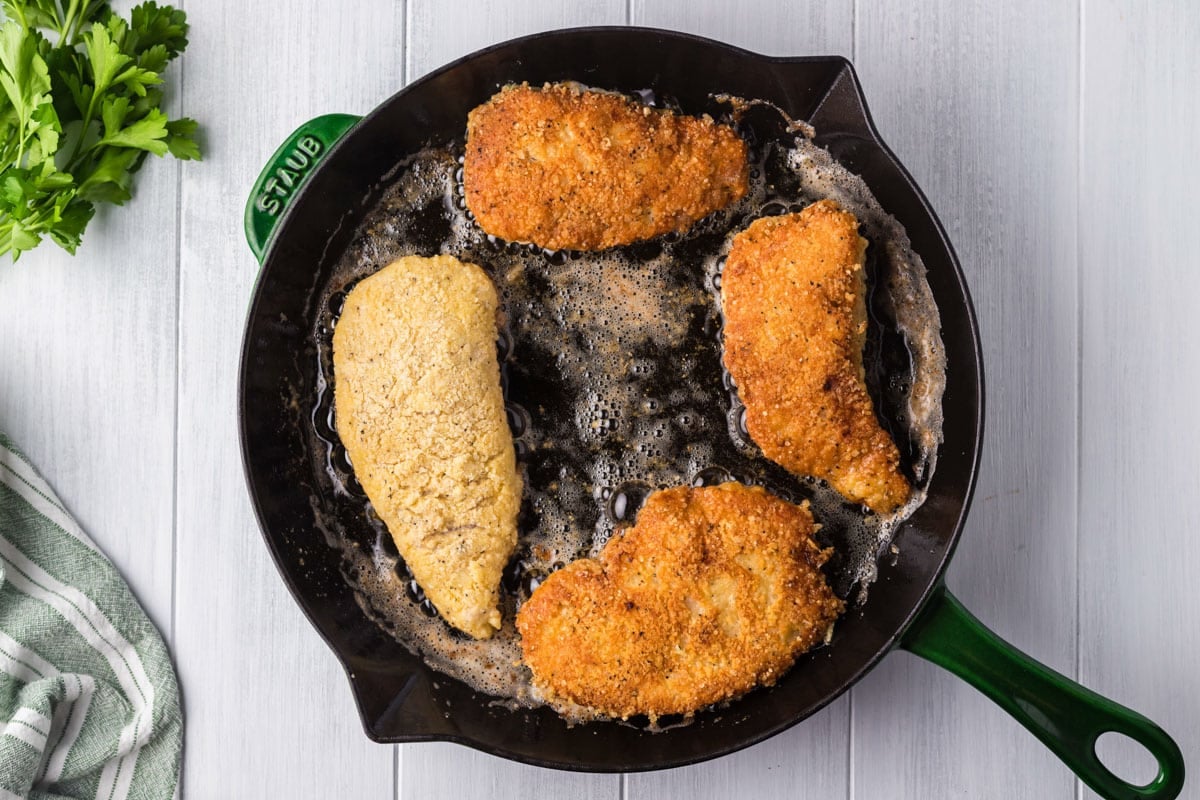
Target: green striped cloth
{"type": "Point", "coordinates": [89, 706]}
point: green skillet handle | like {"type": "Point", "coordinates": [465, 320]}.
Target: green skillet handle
{"type": "Point", "coordinates": [286, 172]}
{"type": "Point", "coordinates": [1067, 717]}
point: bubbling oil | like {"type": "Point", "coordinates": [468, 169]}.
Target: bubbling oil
{"type": "Point", "coordinates": [614, 387]}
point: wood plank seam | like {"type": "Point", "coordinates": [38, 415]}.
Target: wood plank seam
{"type": "Point", "coordinates": [181, 67]}
{"type": "Point", "coordinates": [1079, 166]}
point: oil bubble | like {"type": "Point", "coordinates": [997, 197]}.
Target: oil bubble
{"type": "Point", "coordinates": [627, 500]}
{"type": "Point", "coordinates": [518, 419]}
{"type": "Point", "coordinates": [711, 476]}
{"type": "Point", "coordinates": [337, 301]}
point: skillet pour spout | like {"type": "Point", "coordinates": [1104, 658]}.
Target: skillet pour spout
{"type": "Point", "coordinates": [301, 215]}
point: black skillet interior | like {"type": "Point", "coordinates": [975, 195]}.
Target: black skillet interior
{"type": "Point", "coordinates": [400, 699]}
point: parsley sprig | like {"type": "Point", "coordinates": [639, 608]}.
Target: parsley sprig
{"type": "Point", "coordinates": [79, 111]}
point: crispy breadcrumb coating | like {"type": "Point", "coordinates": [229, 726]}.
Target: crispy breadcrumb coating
{"type": "Point", "coordinates": [793, 294]}
{"type": "Point", "coordinates": [419, 408]}
{"type": "Point", "coordinates": [714, 591]}
{"type": "Point", "coordinates": [566, 168]}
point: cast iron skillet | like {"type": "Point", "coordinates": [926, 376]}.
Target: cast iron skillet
{"type": "Point", "coordinates": [299, 219]}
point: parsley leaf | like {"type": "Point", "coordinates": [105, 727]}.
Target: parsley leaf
{"type": "Point", "coordinates": [80, 96]}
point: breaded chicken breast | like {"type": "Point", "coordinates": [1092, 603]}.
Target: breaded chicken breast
{"type": "Point", "coordinates": [419, 408]}
{"type": "Point", "coordinates": [566, 168]}
{"type": "Point", "coordinates": [715, 590]}
{"type": "Point", "coordinates": [793, 294]}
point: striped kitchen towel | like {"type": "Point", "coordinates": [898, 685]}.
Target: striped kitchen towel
{"type": "Point", "coordinates": [88, 700]}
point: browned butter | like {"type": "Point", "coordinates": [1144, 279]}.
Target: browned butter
{"type": "Point", "coordinates": [614, 385]}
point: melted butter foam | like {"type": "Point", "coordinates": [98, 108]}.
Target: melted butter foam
{"type": "Point", "coordinates": [615, 388]}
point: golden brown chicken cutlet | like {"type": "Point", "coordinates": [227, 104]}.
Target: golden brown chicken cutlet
{"type": "Point", "coordinates": [567, 168]}
{"type": "Point", "coordinates": [419, 408]}
{"type": "Point", "coordinates": [715, 590]}
{"type": "Point", "coordinates": [793, 293]}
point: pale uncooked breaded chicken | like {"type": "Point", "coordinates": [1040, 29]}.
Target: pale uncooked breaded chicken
{"type": "Point", "coordinates": [419, 408]}
{"type": "Point", "coordinates": [793, 294]}
{"type": "Point", "coordinates": [566, 168]}
{"type": "Point", "coordinates": [714, 591]}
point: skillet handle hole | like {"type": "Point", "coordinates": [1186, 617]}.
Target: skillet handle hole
{"type": "Point", "coordinates": [1127, 758]}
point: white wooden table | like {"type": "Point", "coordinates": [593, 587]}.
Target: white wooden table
{"type": "Point", "coordinates": [1055, 138]}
